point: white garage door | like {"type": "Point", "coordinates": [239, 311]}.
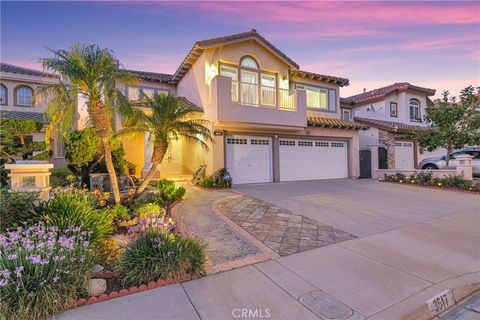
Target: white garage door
{"type": "Point", "coordinates": [404, 155]}
{"type": "Point", "coordinates": [312, 159]}
{"type": "Point", "coordinates": [249, 159]}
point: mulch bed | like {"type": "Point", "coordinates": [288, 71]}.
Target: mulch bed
{"type": "Point", "coordinates": [433, 187]}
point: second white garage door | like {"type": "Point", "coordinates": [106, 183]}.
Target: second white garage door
{"type": "Point", "coordinates": [249, 159]}
{"type": "Point", "coordinates": [404, 155]}
{"type": "Point", "coordinates": [312, 159]}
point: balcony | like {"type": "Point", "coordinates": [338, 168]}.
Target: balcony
{"type": "Point", "coordinates": [270, 97]}
{"type": "Point", "coordinates": [235, 101]}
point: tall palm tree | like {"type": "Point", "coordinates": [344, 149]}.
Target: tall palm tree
{"type": "Point", "coordinates": [92, 72]}
{"type": "Point", "coordinates": [165, 117]}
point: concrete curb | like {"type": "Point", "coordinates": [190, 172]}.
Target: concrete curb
{"type": "Point", "coordinates": [460, 293]}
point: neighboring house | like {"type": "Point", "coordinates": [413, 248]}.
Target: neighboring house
{"type": "Point", "coordinates": [17, 100]}
{"type": "Point", "coordinates": [270, 120]}
{"type": "Point", "coordinates": [392, 112]}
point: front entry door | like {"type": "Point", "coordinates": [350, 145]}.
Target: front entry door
{"type": "Point", "coordinates": [172, 162]}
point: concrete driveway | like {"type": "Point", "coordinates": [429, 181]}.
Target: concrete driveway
{"type": "Point", "coordinates": [413, 244]}
{"type": "Point", "coordinates": [364, 207]}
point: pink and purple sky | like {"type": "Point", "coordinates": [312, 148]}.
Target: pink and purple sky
{"type": "Point", "coordinates": [431, 44]}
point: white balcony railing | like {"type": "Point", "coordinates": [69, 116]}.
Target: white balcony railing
{"type": "Point", "coordinates": [263, 96]}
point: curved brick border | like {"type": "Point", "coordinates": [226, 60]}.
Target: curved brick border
{"type": "Point", "coordinates": [134, 289]}
{"type": "Point", "coordinates": [432, 187]}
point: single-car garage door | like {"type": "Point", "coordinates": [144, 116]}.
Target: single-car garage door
{"type": "Point", "coordinates": [312, 159]}
{"type": "Point", "coordinates": [404, 155]}
{"type": "Point", "coordinates": [249, 159]}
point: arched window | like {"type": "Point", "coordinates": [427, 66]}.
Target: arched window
{"type": "Point", "coordinates": [249, 62]}
{"type": "Point", "coordinates": [3, 94]}
{"type": "Point", "coordinates": [24, 96]}
{"type": "Point", "coordinates": [414, 110]}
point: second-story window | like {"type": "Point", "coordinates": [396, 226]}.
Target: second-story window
{"type": "Point", "coordinates": [321, 99]}
{"type": "Point", "coordinates": [232, 73]}
{"type": "Point", "coordinates": [414, 110]}
{"type": "Point", "coordinates": [268, 90]}
{"type": "Point", "coordinates": [249, 81]}
{"type": "Point", "coordinates": [24, 96]}
{"type": "Point", "coordinates": [3, 94]}
{"type": "Point", "coordinates": [346, 114]}
{"type": "Point", "coordinates": [393, 109]}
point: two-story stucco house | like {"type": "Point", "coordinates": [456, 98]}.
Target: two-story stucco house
{"type": "Point", "coordinates": [270, 120]}
{"type": "Point", "coordinates": [392, 112]}
{"type": "Point", "coordinates": [17, 100]}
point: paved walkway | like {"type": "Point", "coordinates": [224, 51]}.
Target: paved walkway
{"type": "Point", "coordinates": [384, 275]}
{"type": "Point", "coordinates": [280, 229]}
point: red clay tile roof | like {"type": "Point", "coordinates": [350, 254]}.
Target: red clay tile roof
{"type": "Point", "coordinates": [5, 67]}
{"type": "Point", "coordinates": [320, 77]}
{"type": "Point", "coordinates": [334, 123]}
{"type": "Point", "coordinates": [380, 93]}
{"type": "Point", "coordinates": [200, 46]}
{"type": "Point", "coordinates": [152, 76]}
{"type": "Point", "coordinates": [391, 126]}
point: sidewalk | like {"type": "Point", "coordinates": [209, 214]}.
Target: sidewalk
{"type": "Point", "coordinates": [384, 276]}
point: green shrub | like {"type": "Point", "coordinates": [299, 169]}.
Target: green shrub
{"type": "Point", "coordinates": [147, 209]}
{"type": "Point", "coordinates": [62, 177]}
{"type": "Point", "coordinates": [78, 208]}
{"type": "Point", "coordinates": [43, 271]}
{"type": "Point", "coordinates": [169, 191]}
{"type": "Point", "coordinates": [154, 255]}
{"type": "Point", "coordinates": [118, 212]}
{"type": "Point", "coordinates": [220, 179]}
{"type": "Point", "coordinates": [17, 209]}
{"type": "Point", "coordinates": [423, 177]}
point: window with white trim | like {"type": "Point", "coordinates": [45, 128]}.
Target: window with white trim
{"type": "Point", "coordinates": [414, 110]}
{"type": "Point", "coordinates": [346, 113]}
{"type": "Point", "coordinates": [3, 94]}
{"type": "Point", "coordinates": [24, 96]}
{"type": "Point", "coordinates": [319, 98]}
{"type": "Point", "coordinates": [248, 62]}
{"type": "Point", "coordinates": [337, 144]}
{"type": "Point", "coordinates": [268, 90]}
{"type": "Point", "coordinates": [232, 73]}
{"type": "Point", "coordinates": [321, 144]}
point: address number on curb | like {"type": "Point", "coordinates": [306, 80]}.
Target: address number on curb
{"type": "Point", "coordinates": [441, 302]}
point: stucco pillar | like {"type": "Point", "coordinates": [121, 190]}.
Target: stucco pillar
{"type": "Point", "coordinates": [464, 166]}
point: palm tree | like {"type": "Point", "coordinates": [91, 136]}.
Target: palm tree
{"type": "Point", "coordinates": [92, 72]}
{"type": "Point", "coordinates": [165, 117]}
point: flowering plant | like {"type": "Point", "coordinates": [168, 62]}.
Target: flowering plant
{"type": "Point", "coordinates": [42, 270]}
{"type": "Point", "coordinates": [154, 221]}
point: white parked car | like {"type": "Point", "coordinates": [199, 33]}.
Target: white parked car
{"type": "Point", "coordinates": [437, 163]}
